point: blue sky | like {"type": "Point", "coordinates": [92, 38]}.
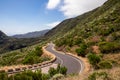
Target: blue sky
{"type": "Point", "coordinates": [22, 16]}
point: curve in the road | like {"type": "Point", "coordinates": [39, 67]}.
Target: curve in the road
{"type": "Point", "coordinates": [73, 64]}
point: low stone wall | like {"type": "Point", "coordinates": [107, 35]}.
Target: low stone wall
{"type": "Point", "coordinates": [19, 68]}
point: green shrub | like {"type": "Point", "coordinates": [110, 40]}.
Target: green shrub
{"type": "Point", "coordinates": [37, 75]}
{"type": "Point", "coordinates": [57, 76]}
{"type": "Point", "coordinates": [106, 47]}
{"type": "Point", "coordinates": [107, 31]}
{"type": "Point", "coordinates": [45, 76]}
{"type": "Point", "coordinates": [28, 60]}
{"type": "Point", "coordinates": [3, 76]}
{"type": "Point", "coordinates": [28, 75]}
{"type": "Point", "coordinates": [77, 41]}
{"type": "Point", "coordinates": [21, 77]}
{"type": "Point", "coordinates": [81, 51]}
{"type": "Point", "coordinates": [98, 76]}
{"type": "Point", "coordinates": [34, 57]}
{"type": "Point", "coordinates": [94, 59]}
{"type": "Point", "coordinates": [105, 65]}
{"type": "Point", "coordinates": [38, 51]}
{"type": "Point", "coordinates": [59, 70]}
{"type": "Point", "coordinates": [52, 71]}
{"type": "Point", "coordinates": [63, 70]}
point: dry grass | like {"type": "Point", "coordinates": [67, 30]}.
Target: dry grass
{"type": "Point", "coordinates": [114, 73]}
{"type": "Point", "coordinates": [96, 49]}
{"type": "Point", "coordinates": [113, 56]}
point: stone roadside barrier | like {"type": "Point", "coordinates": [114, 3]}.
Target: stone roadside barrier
{"type": "Point", "coordinates": [21, 68]}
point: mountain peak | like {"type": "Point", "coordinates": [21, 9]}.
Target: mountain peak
{"type": "Point", "coordinates": [2, 35]}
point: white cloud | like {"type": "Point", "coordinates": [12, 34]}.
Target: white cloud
{"type": "Point", "coordinates": [53, 24]}
{"type": "Point", "coordinates": [52, 4]}
{"type": "Point", "coordinates": [72, 8]}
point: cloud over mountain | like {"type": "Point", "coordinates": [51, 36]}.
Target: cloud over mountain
{"type": "Point", "coordinates": [72, 8]}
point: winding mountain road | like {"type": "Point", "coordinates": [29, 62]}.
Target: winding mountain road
{"type": "Point", "coordinates": [73, 64]}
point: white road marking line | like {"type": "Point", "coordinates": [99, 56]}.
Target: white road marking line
{"type": "Point", "coordinates": [60, 60]}
{"type": "Point", "coordinates": [80, 62]}
{"type": "Point", "coordinates": [57, 56]}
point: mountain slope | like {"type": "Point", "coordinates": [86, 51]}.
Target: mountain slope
{"type": "Point", "coordinates": [3, 37]}
{"type": "Point", "coordinates": [31, 34]}
{"type": "Point", "coordinates": [67, 25]}
{"type": "Point", "coordinates": [9, 43]}
{"type": "Point", "coordinates": [96, 35]}
{"type": "Point", "coordinates": [99, 25]}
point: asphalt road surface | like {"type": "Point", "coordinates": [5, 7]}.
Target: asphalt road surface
{"type": "Point", "coordinates": [73, 64]}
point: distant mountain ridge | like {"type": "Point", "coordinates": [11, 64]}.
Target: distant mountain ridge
{"type": "Point", "coordinates": [31, 34]}
{"type": "Point", "coordinates": [3, 37]}
{"type": "Point", "coordinates": [8, 43]}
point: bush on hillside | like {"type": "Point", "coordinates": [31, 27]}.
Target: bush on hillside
{"type": "Point", "coordinates": [32, 60]}
{"type": "Point", "coordinates": [3, 76]}
{"type": "Point", "coordinates": [107, 47]}
{"type": "Point", "coordinates": [81, 51]}
{"type": "Point", "coordinates": [45, 76]}
{"type": "Point", "coordinates": [105, 65]}
{"type": "Point", "coordinates": [98, 76]}
{"type": "Point", "coordinates": [38, 51]}
{"type": "Point", "coordinates": [106, 32]}
{"type": "Point", "coordinates": [57, 77]}
{"type": "Point", "coordinates": [26, 75]}
{"type": "Point", "coordinates": [59, 70]}
{"type": "Point", "coordinates": [77, 41]}
{"type": "Point", "coordinates": [63, 70]}
{"type": "Point", "coordinates": [35, 56]}
{"type": "Point", "coordinates": [94, 59]}
{"type": "Point", "coordinates": [52, 71]}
